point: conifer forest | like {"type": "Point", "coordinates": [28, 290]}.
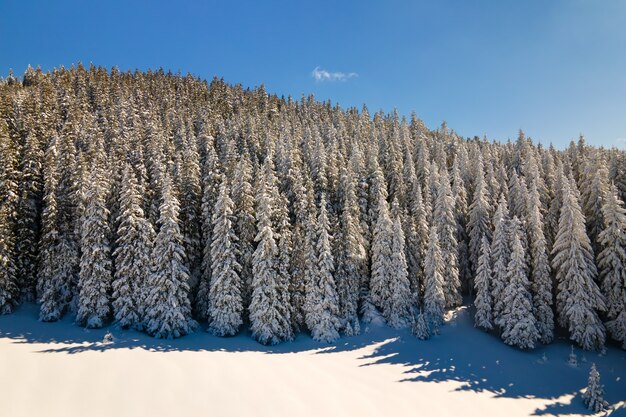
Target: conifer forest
{"type": "Point", "coordinates": [169, 205]}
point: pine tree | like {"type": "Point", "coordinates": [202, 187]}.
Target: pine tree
{"type": "Point", "coordinates": [302, 254]}
{"type": "Point", "coordinates": [431, 188]}
{"type": "Point", "coordinates": [377, 190]}
{"type": "Point", "coordinates": [434, 297]}
{"type": "Point", "coordinates": [225, 301]}
{"type": "Point", "coordinates": [482, 283]}
{"type": "Point", "coordinates": [518, 196]}
{"type": "Point", "coordinates": [460, 214]}
{"type": "Point", "coordinates": [310, 256]}
{"type": "Point", "coordinates": [445, 225]}
{"type": "Point", "coordinates": [519, 326]}
{"type": "Point", "coordinates": [211, 177]}
{"type": "Point", "coordinates": [322, 318]}
{"type": "Point", "coordinates": [593, 397]}
{"type": "Point", "coordinates": [382, 267]}
{"type": "Point", "coordinates": [29, 222]}
{"type": "Point", "coordinates": [554, 211]}
{"type": "Point", "coordinates": [9, 291]}
{"type": "Point", "coordinates": [69, 222]}
{"type": "Point", "coordinates": [53, 286]}
{"type": "Point", "coordinates": [612, 264]}
{"type": "Point", "coordinates": [420, 327]}
{"type": "Point", "coordinates": [612, 258]}
{"type": "Point", "coordinates": [594, 187]}
{"type": "Point", "coordinates": [578, 297]}
{"type": "Point", "coordinates": [351, 258]}
{"type": "Point", "coordinates": [541, 284]}
{"type": "Point", "coordinates": [133, 264]}
{"type": "Point", "coordinates": [167, 306]}
{"type": "Point", "coordinates": [269, 318]}
{"type": "Point", "coordinates": [190, 219]}
{"type": "Point", "coordinates": [400, 312]}
{"type": "Point", "coordinates": [285, 250]}
{"type": "Point", "coordinates": [95, 274]}
{"type": "Point", "coordinates": [500, 254]}
{"type": "Point", "coordinates": [418, 212]}
{"type": "Point", "coordinates": [244, 224]}
{"type": "Point", "coordinates": [478, 224]}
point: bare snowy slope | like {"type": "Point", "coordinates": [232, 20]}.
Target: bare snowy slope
{"type": "Point", "coordinates": [59, 369]}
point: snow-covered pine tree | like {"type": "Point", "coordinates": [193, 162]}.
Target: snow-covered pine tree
{"type": "Point", "coordinates": [68, 255]}
{"type": "Point", "coordinates": [617, 173]}
{"type": "Point", "coordinates": [211, 178]}
{"type": "Point", "coordinates": [420, 327]}
{"type": "Point", "coordinates": [412, 241]}
{"type": "Point", "coordinates": [418, 212]}
{"type": "Point", "coordinates": [269, 319]}
{"type": "Point", "coordinates": [9, 291]}
{"type": "Point", "coordinates": [478, 224]}
{"type": "Point", "coordinates": [434, 297]}
{"type": "Point", "coordinates": [357, 166]}
{"type": "Point", "coordinates": [460, 215]}
{"type": "Point", "coordinates": [445, 224]}
{"type": "Point", "coordinates": [323, 315]}
{"type": "Point", "coordinates": [29, 221]}
{"type": "Point", "coordinates": [401, 306]}
{"type": "Point", "coordinates": [9, 173]}
{"type": "Point", "coordinates": [541, 280]}
{"type": "Point", "coordinates": [95, 276]}
{"type": "Point", "coordinates": [132, 255]}
{"type": "Point", "coordinates": [422, 165]}
{"type": "Point", "coordinates": [285, 248]}
{"type": "Point", "coordinates": [9, 199]}
{"type": "Point", "coordinates": [190, 199]}
{"type": "Point", "coordinates": [593, 189]}
{"type": "Point", "coordinates": [519, 327]}
{"type": "Point", "coordinates": [593, 397]}
{"type": "Point", "coordinates": [377, 190]}
{"type": "Point", "coordinates": [309, 255]}
{"type": "Point", "coordinates": [225, 300]}
{"type": "Point", "coordinates": [351, 257]}
{"type": "Point", "coordinates": [382, 267]}
{"type": "Point", "coordinates": [431, 189]}
{"type": "Point", "coordinates": [167, 306]}
{"type": "Point", "coordinates": [318, 164]}
{"type": "Point", "coordinates": [302, 254]}
{"type": "Point", "coordinates": [554, 211]}
{"type": "Point", "coordinates": [612, 264]}
{"type": "Point", "coordinates": [518, 196]}
{"type": "Point", "coordinates": [244, 223]}
{"type": "Point", "coordinates": [578, 297]}
{"type": "Point", "coordinates": [500, 254]}
{"type": "Point", "coordinates": [482, 283]}
{"type": "Point", "coordinates": [52, 287]}
{"type": "Point", "coordinates": [494, 185]}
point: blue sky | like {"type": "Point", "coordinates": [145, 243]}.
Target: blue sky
{"type": "Point", "coordinates": [552, 68]}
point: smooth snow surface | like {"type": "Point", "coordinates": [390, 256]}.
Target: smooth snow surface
{"type": "Point", "coordinates": [60, 369]}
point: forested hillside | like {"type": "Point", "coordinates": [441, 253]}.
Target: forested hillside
{"type": "Point", "coordinates": [159, 201]}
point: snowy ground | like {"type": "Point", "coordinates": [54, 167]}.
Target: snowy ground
{"type": "Point", "coordinates": [59, 369]}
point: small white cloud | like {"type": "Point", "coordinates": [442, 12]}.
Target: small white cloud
{"type": "Point", "coordinates": [320, 74]}
{"type": "Point", "coordinates": [620, 142]}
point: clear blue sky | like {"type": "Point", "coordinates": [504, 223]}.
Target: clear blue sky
{"type": "Point", "coordinates": [552, 68]}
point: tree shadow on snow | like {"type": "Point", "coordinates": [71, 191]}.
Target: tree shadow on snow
{"type": "Point", "coordinates": [23, 326]}
{"type": "Point", "coordinates": [478, 361]}
{"type": "Point", "coordinates": [481, 362]}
